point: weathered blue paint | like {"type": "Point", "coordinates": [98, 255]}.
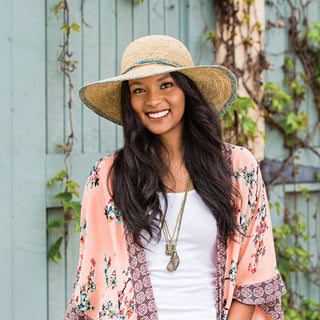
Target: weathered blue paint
{"type": "Point", "coordinates": [22, 160]}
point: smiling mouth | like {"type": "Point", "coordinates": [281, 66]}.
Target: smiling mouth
{"type": "Point", "coordinates": [157, 115]}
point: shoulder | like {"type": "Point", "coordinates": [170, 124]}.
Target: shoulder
{"type": "Point", "coordinates": [241, 157]}
{"type": "Point", "coordinates": [99, 172]}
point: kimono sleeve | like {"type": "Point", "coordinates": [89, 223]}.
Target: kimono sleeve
{"type": "Point", "coordinates": [257, 281]}
{"type": "Point", "coordinates": [81, 305]}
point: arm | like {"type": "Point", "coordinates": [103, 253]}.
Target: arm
{"type": "Point", "coordinates": [240, 311]}
{"type": "Point", "coordinates": [251, 269]}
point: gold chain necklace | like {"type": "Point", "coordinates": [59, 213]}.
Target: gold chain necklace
{"type": "Point", "coordinates": [171, 244]}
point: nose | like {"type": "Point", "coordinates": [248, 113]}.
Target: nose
{"type": "Point", "coordinates": [154, 97]}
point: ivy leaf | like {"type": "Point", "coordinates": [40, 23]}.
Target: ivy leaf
{"type": "Point", "coordinates": [277, 206]}
{"type": "Point", "coordinates": [249, 126]}
{"type": "Point", "coordinates": [306, 193]}
{"type": "Point", "coordinates": [62, 174]}
{"type": "Point", "coordinates": [55, 253]}
{"type": "Point", "coordinates": [76, 206]}
{"type": "Point", "coordinates": [289, 62]}
{"type": "Point", "coordinates": [55, 224]}
{"type": "Point", "coordinates": [298, 89]}
{"type": "Point", "coordinates": [316, 25]}
{"type": "Point", "coordinates": [59, 177]}
{"type": "Point", "coordinates": [57, 7]}
{"type": "Point", "coordinates": [314, 35]}
{"type": "Point", "coordinates": [304, 77]}
{"type": "Point", "coordinates": [228, 118]}
{"type": "Point", "coordinates": [63, 196]}
{"type": "Point", "coordinates": [75, 27]}
{"type": "Point", "coordinates": [259, 25]}
{"type": "Point", "coordinates": [64, 28]}
{"type": "Point", "coordinates": [72, 186]}
{"type": "Point", "coordinates": [279, 99]}
{"type": "Point", "coordinates": [249, 2]}
{"type": "Point", "coordinates": [211, 35]}
{"type": "Point", "coordinates": [50, 182]}
{"type": "Point", "coordinates": [242, 104]}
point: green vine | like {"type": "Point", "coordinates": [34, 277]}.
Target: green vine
{"type": "Point", "coordinates": [71, 207]}
{"type": "Point", "coordinates": [282, 110]}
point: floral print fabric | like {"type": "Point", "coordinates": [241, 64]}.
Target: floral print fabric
{"type": "Point", "coordinates": [112, 281]}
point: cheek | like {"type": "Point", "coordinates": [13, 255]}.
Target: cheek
{"type": "Point", "coordinates": [135, 104]}
{"type": "Point", "coordinates": [180, 103]}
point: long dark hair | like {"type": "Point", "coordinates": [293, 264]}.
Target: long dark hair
{"type": "Point", "coordinates": [138, 167]}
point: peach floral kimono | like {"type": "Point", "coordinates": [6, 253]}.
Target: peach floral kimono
{"type": "Point", "coordinates": [112, 281]}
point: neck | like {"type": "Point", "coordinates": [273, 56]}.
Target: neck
{"type": "Point", "coordinates": [173, 156]}
{"type": "Point", "coordinates": [173, 150]}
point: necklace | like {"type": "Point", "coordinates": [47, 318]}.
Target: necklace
{"type": "Point", "coordinates": [171, 244]}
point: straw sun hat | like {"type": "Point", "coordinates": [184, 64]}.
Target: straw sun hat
{"type": "Point", "coordinates": [153, 55]}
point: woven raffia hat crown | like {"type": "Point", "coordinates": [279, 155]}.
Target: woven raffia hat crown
{"type": "Point", "coordinates": [153, 55]}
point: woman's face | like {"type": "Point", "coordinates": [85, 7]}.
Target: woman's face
{"type": "Point", "coordinates": [159, 103]}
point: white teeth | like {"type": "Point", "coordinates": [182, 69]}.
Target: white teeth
{"type": "Point", "coordinates": [159, 114]}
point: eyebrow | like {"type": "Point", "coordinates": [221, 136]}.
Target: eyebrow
{"type": "Point", "coordinates": [137, 82]}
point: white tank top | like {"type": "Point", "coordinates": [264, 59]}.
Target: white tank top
{"type": "Point", "coordinates": [189, 292]}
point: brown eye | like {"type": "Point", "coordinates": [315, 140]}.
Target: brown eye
{"type": "Point", "coordinates": [137, 91]}
{"type": "Point", "coordinates": [167, 85]}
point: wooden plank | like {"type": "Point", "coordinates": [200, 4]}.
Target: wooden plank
{"type": "Point", "coordinates": [313, 227]}
{"type": "Point", "coordinates": [6, 160]}
{"type": "Point", "coordinates": [91, 72]}
{"type": "Point", "coordinates": [156, 17]}
{"type": "Point", "coordinates": [313, 14]}
{"type": "Point", "coordinates": [302, 208]}
{"type": "Point", "coordinates": [107, 18]}
{"type": "Point", "coordinates": [140, 19]}
{"type": "Point", "coordinates": [28, 165]}
{"type": "Point", "coordinates": [275, 55]}
{"type": "Point", "coordinates": [172, 18]}
{"type": "Point", "coordinates": [199, 49]}
{"type": "Point", "coordinates": [276, 195]}
{"type": "Point", "coordinates": [56, 271]}
{"type": "Point", "coordinates": [306, 173]}
{"type": "Point", "coordinates": [124, 36]}
{"type": "Point", "coordinates": [208, 24]}
{"type": "Point", "coordinates": [55, 87]}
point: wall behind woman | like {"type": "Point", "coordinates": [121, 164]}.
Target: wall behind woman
{"type": "Point", "coordinates": [34, 118]}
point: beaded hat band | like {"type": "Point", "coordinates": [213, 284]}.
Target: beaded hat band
{"type": "Point", "coordinates": [153, 55]}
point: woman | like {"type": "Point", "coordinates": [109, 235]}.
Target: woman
{"type": "Point", "coordinates": [176, 224]}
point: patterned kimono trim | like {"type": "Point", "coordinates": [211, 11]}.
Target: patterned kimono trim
{"type": "Point", "coordinates": [221, 254]}
{"type": "Point", "coordinates": [273, 309]}
{"type": "Point", "coordinates": [221, 257]}
{"type": "Point", "coordinates": [264, 294]}
{"type": "Point", "coordinates": [143, 292]}
{"type": "Point", "coordinates": [73, 312]}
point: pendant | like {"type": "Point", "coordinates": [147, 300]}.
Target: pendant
{"type": "Point", "coordinates": [170, 248]}
{"type": "Point", "coordinates": [174, 262]}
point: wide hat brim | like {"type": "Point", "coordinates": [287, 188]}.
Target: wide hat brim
{"type": "Point", "coordinates": [217, 84]}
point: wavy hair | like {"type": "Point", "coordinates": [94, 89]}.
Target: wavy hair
{"type": "Point", "coordinates": [138, 167]}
